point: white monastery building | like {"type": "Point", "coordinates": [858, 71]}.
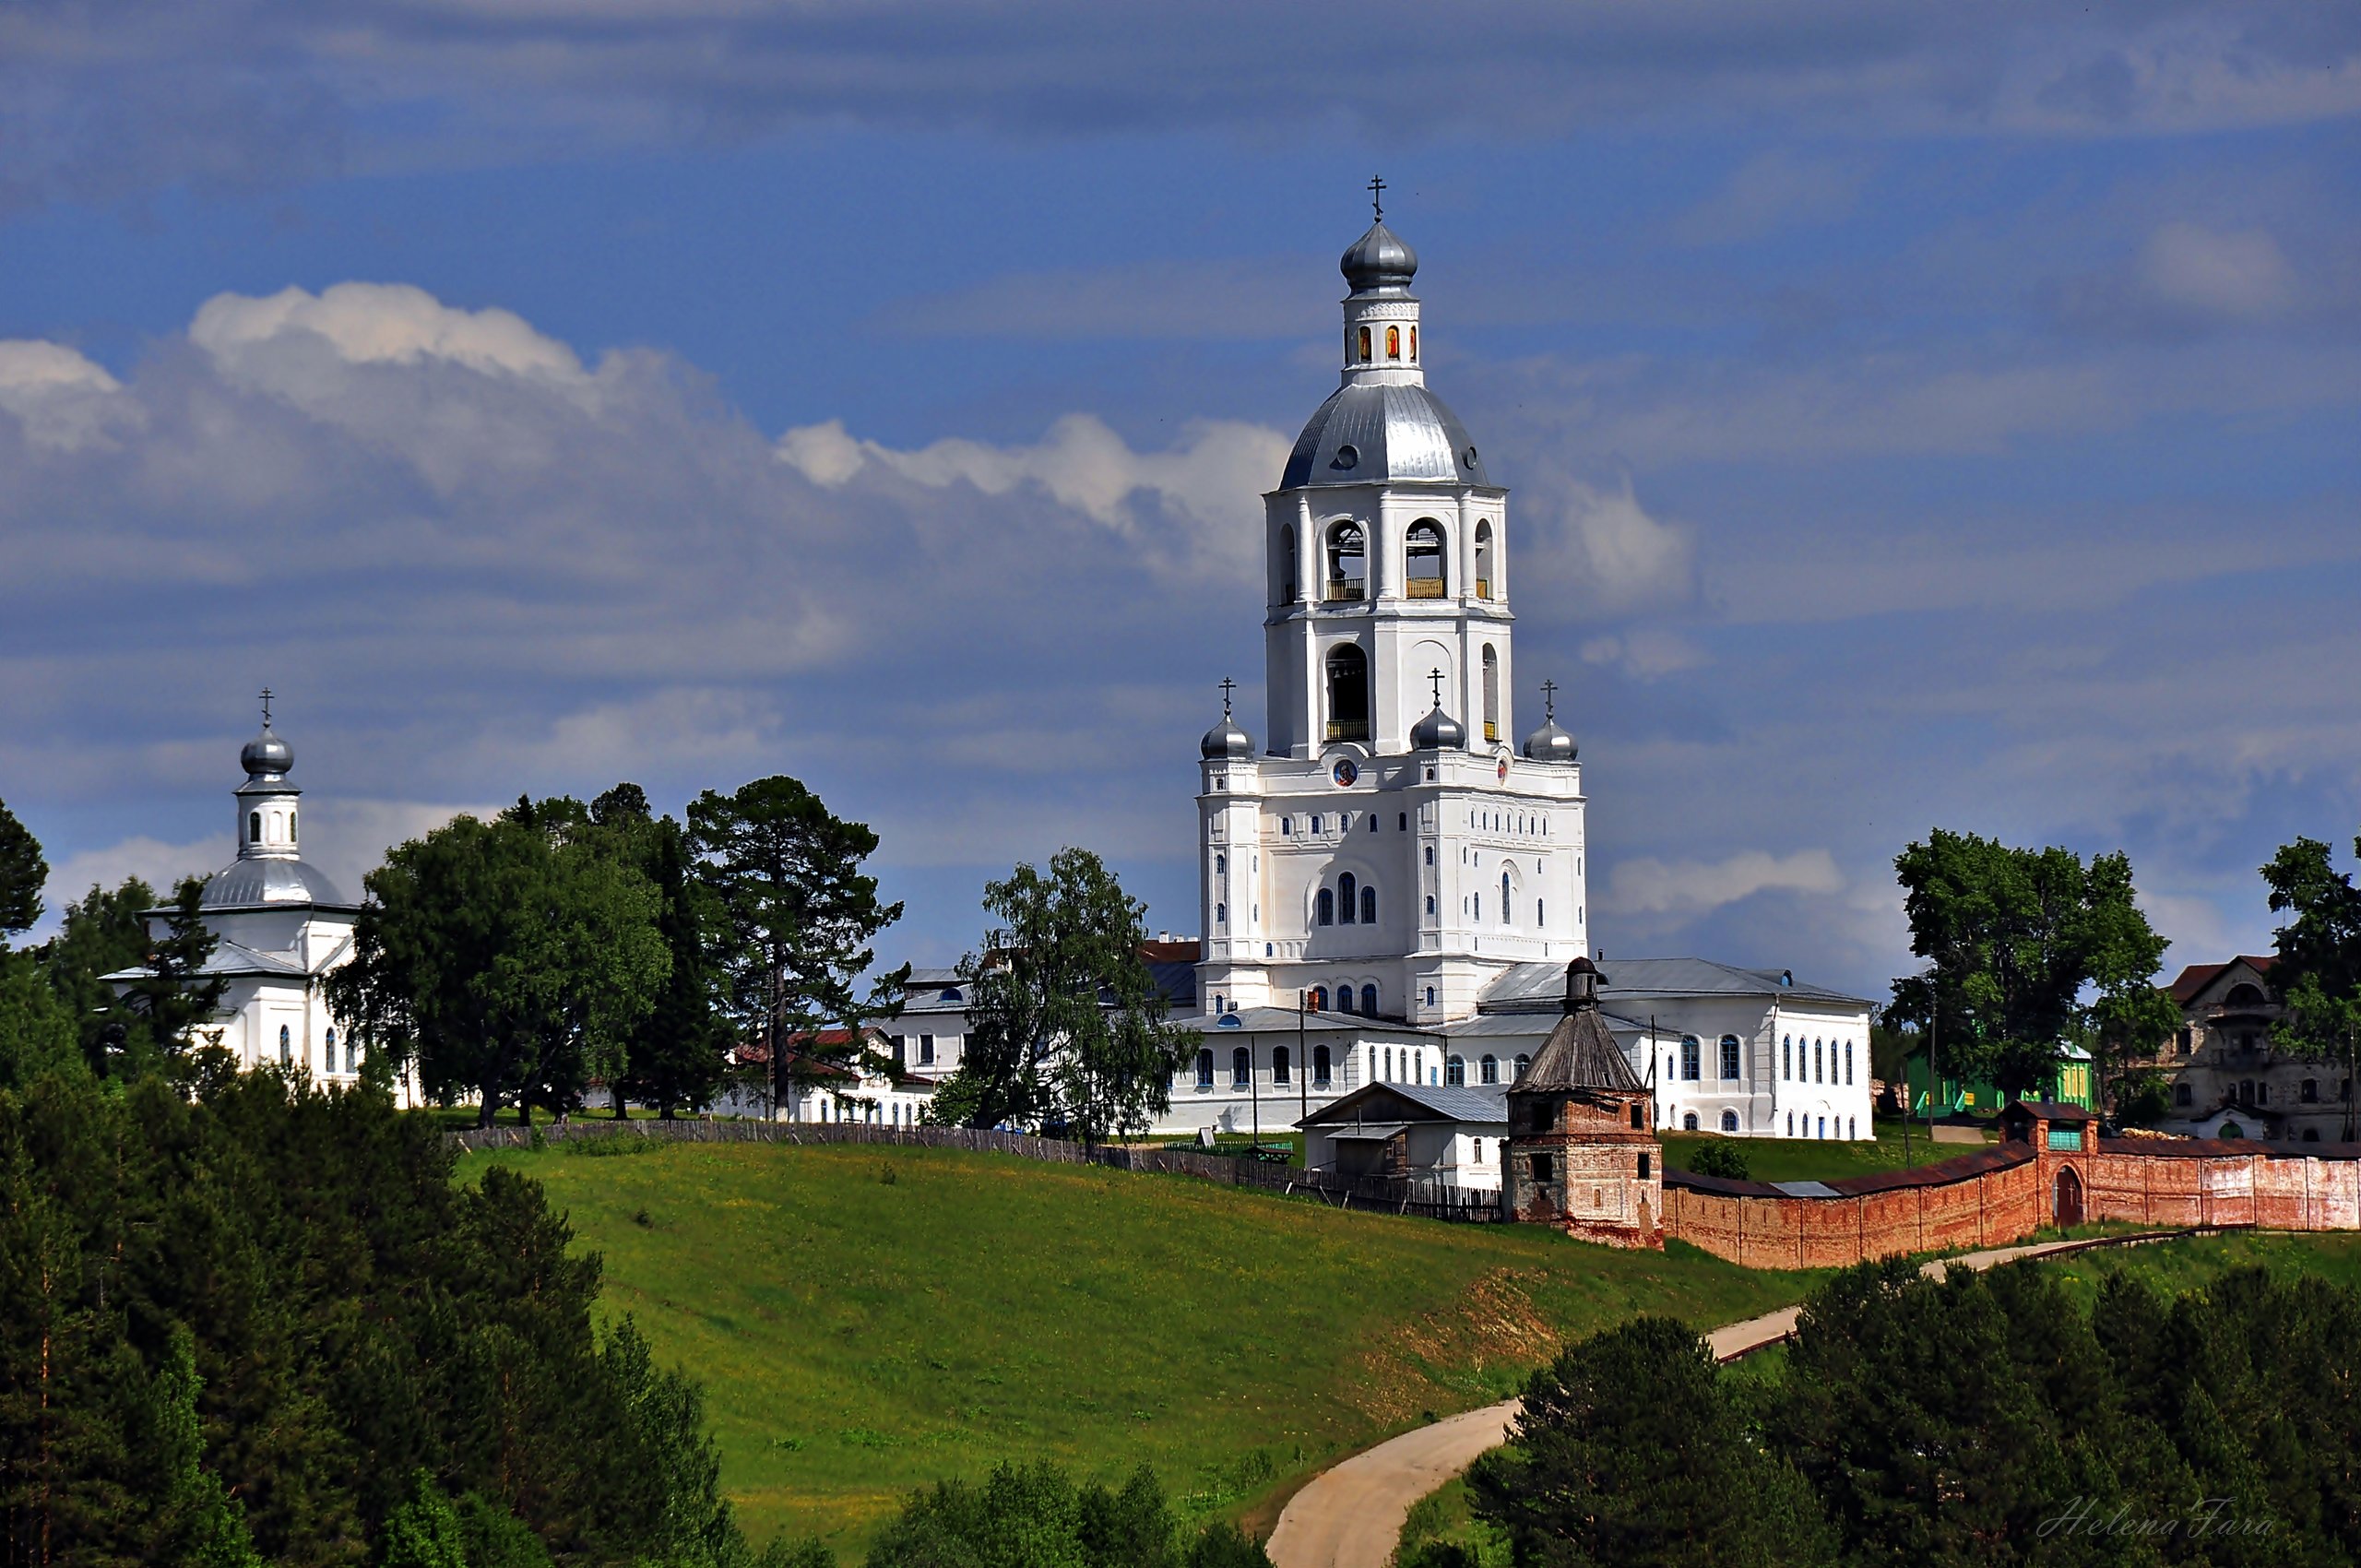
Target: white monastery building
{"type": "Point", "coordinates": [1390, 891]}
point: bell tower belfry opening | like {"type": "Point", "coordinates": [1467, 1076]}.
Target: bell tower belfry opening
{"type": "Point", "coordinates": [1389, 694]}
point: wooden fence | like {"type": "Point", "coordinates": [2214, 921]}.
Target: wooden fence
{"type": "Point", "coordinates": [1391, 1195]}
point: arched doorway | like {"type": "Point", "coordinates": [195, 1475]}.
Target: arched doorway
{"type": "Point", "coordinates": [2065, 1198]}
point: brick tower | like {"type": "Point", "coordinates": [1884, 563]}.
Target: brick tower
{"type": "Point", "coordinates": [1583, 1150]}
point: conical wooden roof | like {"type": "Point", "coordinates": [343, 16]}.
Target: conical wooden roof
{"type": "Point", "coordinates": [1581, 1053]}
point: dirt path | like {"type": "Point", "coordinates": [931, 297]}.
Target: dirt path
{"type": "Point", "coordinates": [1350, 1516]}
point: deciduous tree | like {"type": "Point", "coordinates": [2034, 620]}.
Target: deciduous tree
{"type": "Point", "coordinates": [1064, 1021]}
{"type": "Point", "coordinates": [2318, 944]}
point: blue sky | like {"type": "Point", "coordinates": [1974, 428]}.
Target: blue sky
{"type": "Point", "coordinates": [1914, 420]}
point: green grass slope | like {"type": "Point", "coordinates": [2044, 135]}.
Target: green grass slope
{"type": "Point", "coordinates": [859, 1336]}
{"type": "Point", "coordinates": [1814, 1159]}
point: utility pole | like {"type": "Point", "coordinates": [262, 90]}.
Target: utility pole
{"type": "Point", "coordinates": [1302, 1080]}
{"type": "Point", "coordinates": [1934, 1073]}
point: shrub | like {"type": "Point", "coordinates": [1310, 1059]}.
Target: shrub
{"type": "Point", "coordinates": [1720, 1158]}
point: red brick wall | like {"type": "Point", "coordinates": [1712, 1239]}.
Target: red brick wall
{"type": "Point", "coordinates": [2004, 1196]}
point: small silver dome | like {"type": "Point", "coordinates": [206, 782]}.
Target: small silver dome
{"type": "Point", "coordinates": [1379, 262]}
{"type": "Point", "coordinates": [266, 755]}
{"type": "Point", "coordinates": [1370, 433]}
{"type": "Point", "coordinates": [1550, 744]}
{"type": "Point", "coordinates": [1437, 730]}
{"type": "Point", "coordinates": [1226, 740]}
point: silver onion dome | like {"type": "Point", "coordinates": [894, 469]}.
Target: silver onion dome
{"type": "Point", "coordinates": [1437, 730]}
{"type": "Point", "coordinates": [266, 756]}
{"type": "Point", "coordinates": [1550, 744]}
{"type": "Point", "coordinates": [1379, 262]}
{"type": "Point", "coordinates": [1226, 740]}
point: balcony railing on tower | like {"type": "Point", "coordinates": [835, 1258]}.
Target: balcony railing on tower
{"type": "Point", "coordinates": [1423, 588]}
{"type": "Point", "coordinates": [1342, 588]}
{"type": "Point", "coordinates": [1348, 728]}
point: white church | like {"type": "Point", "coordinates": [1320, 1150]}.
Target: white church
{"type": "Point", "coordinates": [280, 926]}
{"type": "Point", "coordinates": [1390, 891]}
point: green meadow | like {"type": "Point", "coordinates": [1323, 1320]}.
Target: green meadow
{"type": "Point", "coordinates": [866, 1320]}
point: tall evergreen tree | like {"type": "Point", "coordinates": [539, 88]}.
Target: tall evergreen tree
{"type": "Point", "coordinates": [798, 916]}
{"type": "Point", "coordinates": [175, 999]}
{"type": "Point", "coordinates": [102, 934]}
{"type": "Point", "coordinates": [23, 874]}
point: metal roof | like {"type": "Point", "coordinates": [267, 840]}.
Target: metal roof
{"type": "Point", "coordinates": [1445, 1103]}
{"type": "Point", "coordinates": [230, 961]}
{"type": "Point", "coordinates": [1540, 985]}
{"type": "Point", "coordinates": [1397, 432]}
{"type": "Point", "coordinates": [269, 881]}
{"type": "Point", "coordinates": [1371, 1132]}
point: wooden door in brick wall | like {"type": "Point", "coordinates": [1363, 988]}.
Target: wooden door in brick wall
{"type": "Point", "coordinates": [2065, 1198]}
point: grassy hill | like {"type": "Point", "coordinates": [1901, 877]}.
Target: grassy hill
{"type": "Point", "coordinates": [866, 1320]}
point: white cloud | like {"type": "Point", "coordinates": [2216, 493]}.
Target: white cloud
{"type": "Point", "coordinates": [379, 324]}
{"type": "Point", "coordinates": [1772, 190]}
{"type": "Point", "coordinates": [1645, 652]}
{"type": "Point", "coordinates": [1602, 548]}
{"type": "Point", "coordinates": [62, 400]}
{"type": "Point", "coordinates": [2241, 274]}
{"type": "Point", "coordinates": [1213, 481]}
{"type": "Point", "coordinates": [159, 864]}
{"type": "Point", "coordinates": [1646, 886]}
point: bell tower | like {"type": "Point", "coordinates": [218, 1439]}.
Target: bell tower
{"type": "Point", "coordinates": [1387, 543]}
{"type": "Point", "coordinates": [1383, 851]}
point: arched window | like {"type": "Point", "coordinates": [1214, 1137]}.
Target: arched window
{"type": "Point", "coordinates": [1786, 1056]}
{"type": "Point", "coordinates": [1348, 694]}
{"type": "Point", "coordinates": [1431, 906]}
{"type": "Point", "coordinates": [1688, 1122]}
{"type": "Point", "coordinates": [1389, 1062]}
{"type": "Point", "coordinates": [1369, 906]}
{"type": "Point", "coordinates": [1492, 693]}
{"type": "Point", "coordinates": [1431, 989]}
{"type": "Point", "coordinates": [2181, 1095]}
{"type": "Point", "coordinates": [1320, 1067]}
{"type": "Point", "coordinates": [1523, 1061]}
{"type": "Point", "coordinates": [1347, 898]}
{"type": "Point", "coordinates": [1425, 575]}
{"type": "Point", "coordinates": [1505, 902]}
{"type": "Point", "coordinates": [1483, 560]}
{"type": "Point", "coordinates": [1393, 343]}
{"type": "Point", "coordinates": [290, 827]}
{"type": "Point", "coordinates": [286, 1045]}
{"type": "Point", "coordinates": [1369, 1000]}
{"type": "Point", "coordinates": [1848, 1061]}
{"type": "Point", "coordinates": [1729, 1121]}
{"type": "Point", "coordinates": [1279, 1063]}
{"type": "Point", "coordinates": [1205, 1068]}
{"type": "Point", "coordinates": [2244, 994]}
{"type": "Point", "coordinates": [1326, 903]}
{"type": "Point", "coordinates": [1348, 564]}
{"type": "Point", "coordinates": [1287, 579]}
{"type": "Point", "coordinates": [1430, 854]}
{"type": "Point", "coordinates": [254, 827]}
{"type": "Point", "coordinates": [1343, 999]}
{"type": "Point", "coordinates": [1241, 1068]}
{"type": "Point", "coordinates": [1454, 1071]}
{"type": "Point", "coordinates": [1365, 354]}
{"type": "Point", "coordinates": [1817, 1075]}
{"type": "Point", "coordinates": [1413, 342]}
{"type": "Point", "coordinates": [1320, 999]}
{"type": "Point", "coordinates": [1730, 1056]}
{"type": "Point", "coordinates": [1221, 914]}
{"type": "Point", "coordinates": [1691, 1069]}
{"type": "Point", "coordinates": [1221, 865]}
{"type": "Point", "coordinates": [1539, 919]}
{"type": "Point", "coordinates": [329, 1065]}
{"type": "Point", "coordinates": [1488, 1070]}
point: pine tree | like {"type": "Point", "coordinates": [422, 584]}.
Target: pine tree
{"type": "Point", "coordinates": [175, 998]}
{"type": "Point", "coordinates": [23, 873]}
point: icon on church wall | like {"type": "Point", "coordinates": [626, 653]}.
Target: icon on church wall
{"type": "Point", "coordinates": [1501, 770]}
{"type": "Point", "coordinates": [1346, 772]}
{"type": "Point", "coordinates": [1393, 343]}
